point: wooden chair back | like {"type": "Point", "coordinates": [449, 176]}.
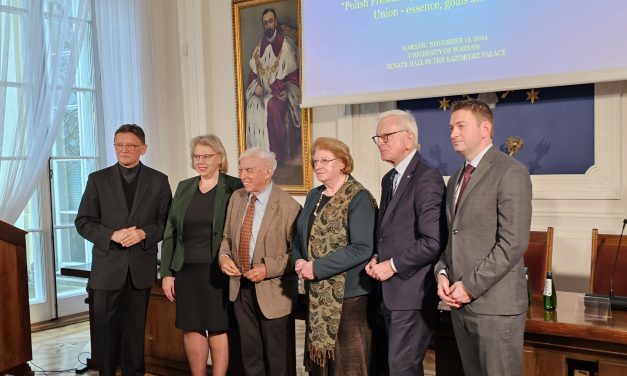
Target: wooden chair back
{"type": "Point", "coordinates": [604, 248]}
{"type": "Point", "coordinates": [538, 258]}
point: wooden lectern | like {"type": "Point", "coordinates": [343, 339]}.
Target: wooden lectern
{"type": "Point", "coordinates": [14, 310]}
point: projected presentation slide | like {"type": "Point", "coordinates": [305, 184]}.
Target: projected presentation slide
{"type": "Point", "coordinates": [363, 50]}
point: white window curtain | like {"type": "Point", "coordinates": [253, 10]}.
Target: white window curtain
{"type": "Point", "coordinates": [135, 69]}
{"type": "Point", "coordinates": [50, 35]}
{"type": "Point", "coordinates": [120, 30]}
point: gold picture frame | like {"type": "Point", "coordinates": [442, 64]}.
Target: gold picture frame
{"type": "Point", "coordinates": [267, 38]}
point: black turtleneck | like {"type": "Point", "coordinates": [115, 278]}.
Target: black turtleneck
{"type": "Point", "coordinates": [129, 183]}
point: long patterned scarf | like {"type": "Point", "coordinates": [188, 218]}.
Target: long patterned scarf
{"type": "Point", "coordinates": [328, 232]}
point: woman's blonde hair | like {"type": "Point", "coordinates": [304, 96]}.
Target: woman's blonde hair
{"type": "Point", "coordinates": [213, 142]}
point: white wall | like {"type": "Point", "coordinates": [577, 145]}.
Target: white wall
{"type": "Point", "coordinates": [572, 204]}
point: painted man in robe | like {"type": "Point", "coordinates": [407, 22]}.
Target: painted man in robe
{"type": "Point", "coordinates": [273, 91]}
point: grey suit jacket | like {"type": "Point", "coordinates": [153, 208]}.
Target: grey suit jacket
{"type": "Point", "coordinates": [412, 231]}
{"type": "Point", "coordinates": [488, 235]}
{"type": "Point", "coordinates": [276, 295]}
{"type": "Point", "coordinates": [103, 211]}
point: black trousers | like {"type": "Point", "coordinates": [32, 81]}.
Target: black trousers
{"type": "Point", "coordinates": [120, 323]}
{"type": "Point", "coordinates": [268, 345]}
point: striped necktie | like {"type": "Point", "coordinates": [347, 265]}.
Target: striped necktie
{"type": "Point", "coordinates": [392, 185]}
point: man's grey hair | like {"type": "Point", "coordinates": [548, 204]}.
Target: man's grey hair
{"type": "Point", "coordinates": [406, 122]}
{"type": "Point", "coordinates": [265, 157]}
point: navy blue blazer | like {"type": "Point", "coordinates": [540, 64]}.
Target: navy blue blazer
{"type": "Point", "coordinates": [411, 230]}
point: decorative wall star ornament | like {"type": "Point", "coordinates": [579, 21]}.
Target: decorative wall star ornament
{"type": "Point", "coordinates": [533, 95]}
{"type": "Point", "coordinates": [445, 103]}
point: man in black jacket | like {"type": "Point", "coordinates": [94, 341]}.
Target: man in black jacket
{"type": "Point", "coordinates": [123, 213]}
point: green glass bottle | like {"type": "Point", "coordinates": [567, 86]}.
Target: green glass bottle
{"type": "Point", "coordinates": [549, 295]}
{"type": "Point", "coordinates": [529, 290]}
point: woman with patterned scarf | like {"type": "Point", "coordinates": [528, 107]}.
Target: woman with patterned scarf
{"type": "Point", "coordinates": [334, 240]}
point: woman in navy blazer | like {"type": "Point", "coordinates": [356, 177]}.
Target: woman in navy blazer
{"type": "Point", "coordinates": [189, 271]}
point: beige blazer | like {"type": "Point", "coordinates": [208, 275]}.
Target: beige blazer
{"type": "Point", "coordinates": [276, 295]}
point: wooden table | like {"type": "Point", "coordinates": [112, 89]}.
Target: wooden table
{"type": "Point", "coordinates": [556, 343]}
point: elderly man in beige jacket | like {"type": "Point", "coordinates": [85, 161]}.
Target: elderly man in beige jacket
{"type": "Point", "coordinates": [255, 253]}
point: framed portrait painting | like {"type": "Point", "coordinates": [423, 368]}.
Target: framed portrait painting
{"type": "Point", "coordinates": [268, 87]}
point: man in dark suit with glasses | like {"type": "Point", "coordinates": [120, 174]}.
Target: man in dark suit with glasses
{"type": "Point", "coordinates": [411, 233]}
{"type": "Point", "coordinates": [123, 213]}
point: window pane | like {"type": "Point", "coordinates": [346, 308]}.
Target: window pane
{"type": "Point", "coordinates": [71, 249]}
{"type": "Point", "coordinates": [14, 3]}
{"type": "Point", "coordinates": [68, 182]}
{"type": "Point", "coordinates": [84, 71]}
{"type": "Point", "coordinates": [77, 136]}
{"type": "Point", "coordinates": [11, 23]}
{"type": "Point", "coordinates": [75, 8]}
{"type": "Point", "coordinates": [35, 267]}
{"type": "Point", "coordinates": [30, 220]}
{"type": "Point", "coordinates": [10, 122]}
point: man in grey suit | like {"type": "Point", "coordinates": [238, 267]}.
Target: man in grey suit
{"type": "Point", "coordinates": [255, 253]}
{"type": "Point", "coordinates": [411, 233]}
{"type": "Point", "coordinates": [481, 273]}
{"type": "Point", "coordinates": [123, 212]}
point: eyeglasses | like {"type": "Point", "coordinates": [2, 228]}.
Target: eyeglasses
{"type": "Point", "coordinates": [322, 162]}
{"type": "Point", "coordinates": [129, 147]}
{"type": "Point", "coordinates": [202, 157]}
{"type": "Point", "coordinates": [385, 137]}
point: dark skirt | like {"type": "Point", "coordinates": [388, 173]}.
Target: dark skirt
{"type": "Point", "coordinates": [202, 298]}
{"type": "Point", "coordinates": [353, 346]}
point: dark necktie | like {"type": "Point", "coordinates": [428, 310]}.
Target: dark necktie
{"type": "Point", "coordinates": [245, 236]}
{"type": "Point", "coordinates": [467, 172]}
{"type": "Point", "coordinates": [390, 193]}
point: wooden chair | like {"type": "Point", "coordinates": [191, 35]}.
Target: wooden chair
{"type": "Point", "coordinates": [538, 258]}
{"type": "Point", "coordinates": [604, 248]}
